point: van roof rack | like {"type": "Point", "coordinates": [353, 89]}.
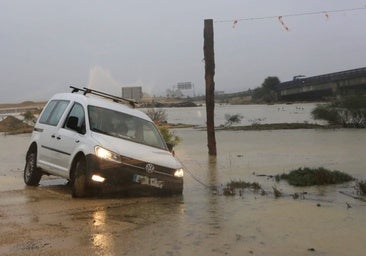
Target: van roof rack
{"type": "Point", "coordinates": [85, 90]}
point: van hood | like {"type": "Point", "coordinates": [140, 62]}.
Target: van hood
{"type": "Point", "coordinates": [137, 151]}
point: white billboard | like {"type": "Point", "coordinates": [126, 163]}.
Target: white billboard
{"type": "Point", "coordinates": [132, 93]}
{"type": "Point", "coordinates": [185, 86]}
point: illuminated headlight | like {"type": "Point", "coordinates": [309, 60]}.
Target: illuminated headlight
{"type": "Point", "coordinates": [179, 173]}
{"type": "Point", "coordinates": [98, 178]}
{"type": "Point", "coordinates": [106, 154]}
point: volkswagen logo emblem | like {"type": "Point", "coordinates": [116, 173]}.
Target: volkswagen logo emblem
{"type": "Point", "coordinates": [150, 168]}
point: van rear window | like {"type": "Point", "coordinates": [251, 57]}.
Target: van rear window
{"type": "Point", "coordinates": [53, 112]}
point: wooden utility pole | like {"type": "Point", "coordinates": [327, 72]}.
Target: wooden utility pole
{"type": "Point", "coordinates": [208, 50]}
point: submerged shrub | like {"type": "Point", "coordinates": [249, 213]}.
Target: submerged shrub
{"type": "Point", "coordinates": [233, 119]}
{"type": "Point", "coordinates": [318, 176]}
{"type": "Point", "coordinates": [28, 116]}
{"type": "Point", "coordinates": [237, 186]}
{"type": "Point", "coordinates": [347, 112]}
{"type": "Point", "coordinates": [361, 187]}
{"type": "Point", "coordinates": [243, 184]}
{"type": "Point", "coordinates": [325, 112]}
{"type": "Point", "coordinates": [276, 192]}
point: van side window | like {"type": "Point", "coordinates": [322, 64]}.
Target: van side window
{"type": "Point", "coordinates": [53, 112]}
{"type": "Point", "coordinates": [77, 111]}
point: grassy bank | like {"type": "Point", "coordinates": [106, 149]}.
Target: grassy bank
{"type": "Point", "coordinates": [276, 126]}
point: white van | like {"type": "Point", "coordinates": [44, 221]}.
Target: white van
{"type": "Point", "coordinates": [97, 141]}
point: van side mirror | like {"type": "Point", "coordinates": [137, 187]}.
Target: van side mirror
{"type": "Point", "coordinates": [72, 123]}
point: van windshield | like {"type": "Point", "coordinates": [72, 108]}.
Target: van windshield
{"type": "Point", "coordinates": [124, 126]}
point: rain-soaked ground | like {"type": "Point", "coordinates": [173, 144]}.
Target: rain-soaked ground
{"type": "Point", "coordinates": [47, 221]}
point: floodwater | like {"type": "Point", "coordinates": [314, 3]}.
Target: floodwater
{"type": "Point", "coordinates": [46, 220]}
{"type": "Point", "coordinates": [261, 114]}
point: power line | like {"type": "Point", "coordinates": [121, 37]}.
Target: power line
{"type": "Point", "coordinates": [292, 15]}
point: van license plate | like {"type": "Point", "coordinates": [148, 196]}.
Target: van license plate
{"type": "Point", "coordinates": [144, 180]}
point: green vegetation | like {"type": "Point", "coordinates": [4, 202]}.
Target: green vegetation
{"type": "Point", "coordinates": [361, 187]}
{"type": "Point", "coordinates": [28, 116]}
{"type": "Point", "coordinates": [243, 184]}
{"type": "Point", "coordinates": [318, 176]}
{"type": "Point", "coordinates": [348, 112]}
{"type": "Point", "coordinates": [237, 186]}
{"type": "Point", "coordinates": [232, 119]}
{"type": "Point", "coordinates": [299, 177]}
{"type": "Point", "coordinates": [159, 117]}
{"type": "Point", "coordinates": [267, 92]}
{"type": "Point", "coordinates": [169, 136]}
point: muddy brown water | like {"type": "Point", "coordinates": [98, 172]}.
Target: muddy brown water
{"type": "Point", "coordinates": [46, 221]}
{"type": "Point", "coordinates": [263, 114]}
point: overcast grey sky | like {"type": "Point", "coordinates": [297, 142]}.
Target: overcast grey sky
{"type": "Point", "coordinates": [46, 45]}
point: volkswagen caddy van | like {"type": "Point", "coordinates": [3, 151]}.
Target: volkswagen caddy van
{"type": "Point", "coordinates": [94, 139]}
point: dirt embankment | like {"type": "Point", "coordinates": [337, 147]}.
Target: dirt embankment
{"type": "Point", "coordinates": [12, 125]}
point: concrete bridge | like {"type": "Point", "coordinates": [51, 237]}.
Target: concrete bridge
{"type": "Point", "coordinates": [349, 82]}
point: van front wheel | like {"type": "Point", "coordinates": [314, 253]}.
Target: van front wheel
{"type": "Point", "coordinates": [79, 182]}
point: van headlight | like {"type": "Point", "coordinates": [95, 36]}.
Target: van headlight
{"type": "Point", "coordinates": [107, 154]}
{"type": "Point", "coordinates": [179, 173]}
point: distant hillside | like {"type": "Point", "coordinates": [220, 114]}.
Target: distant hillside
{"type": "Point", "coordinates": [23, 104]}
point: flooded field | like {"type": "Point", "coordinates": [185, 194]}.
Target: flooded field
{"type": "Point", "coordinates": [47, 221]}
{"type": "Point", "coordinates": [263, 114]}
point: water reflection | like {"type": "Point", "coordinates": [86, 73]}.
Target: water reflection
{"type": "Point", "coordinates": [99, 218]}
{"type": "Point", "coordinates": [101, 239]}
{"type": "Point", "coordinates": [111, 225]}
{"type": "Point", "coordinates": [213, 208]}
{"type": "Point", "coordinates": [212, 170]}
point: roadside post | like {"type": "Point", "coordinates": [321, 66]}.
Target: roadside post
{"type": "Point", "coordinates": [208, 49]}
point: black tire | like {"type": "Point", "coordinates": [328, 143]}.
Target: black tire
{"type": "Point", "coordinates": [32, 174]}
{"type": "Point", "coordinates": [79, 180]}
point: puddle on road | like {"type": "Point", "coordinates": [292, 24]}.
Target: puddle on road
{"type": "Point", "coordinates": [17, 199]}
{"type": "Point", "coordinates": [8, 183]}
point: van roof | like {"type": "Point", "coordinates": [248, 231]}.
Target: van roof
{"type": "Point", "coordinates": [90, 99]}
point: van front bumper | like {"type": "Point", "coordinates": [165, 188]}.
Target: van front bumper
{"type": "Point", "coordinates": [132, 174]}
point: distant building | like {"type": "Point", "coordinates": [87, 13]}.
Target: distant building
{"type": "Point", "coordinates": [132, 93]}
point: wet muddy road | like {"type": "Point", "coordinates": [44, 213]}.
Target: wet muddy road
{"type": "Point", "coordinates": [47, 221]}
